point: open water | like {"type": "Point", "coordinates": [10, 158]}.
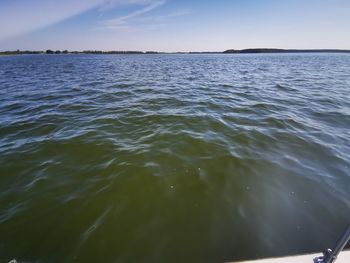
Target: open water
{"type": "Point", "coordinates": [172, 158]}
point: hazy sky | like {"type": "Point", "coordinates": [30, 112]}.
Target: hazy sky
{"type": "Point", "coordinates": [173, 25]}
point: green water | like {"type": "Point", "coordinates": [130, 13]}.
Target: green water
{"type": "Point", "coordinates": [172, 158]}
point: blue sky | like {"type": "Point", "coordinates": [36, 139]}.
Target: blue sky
{"type": "Point", "coordinates": [173, 25]}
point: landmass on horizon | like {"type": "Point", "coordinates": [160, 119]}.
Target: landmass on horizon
{"type": "Point", "coordinates": [229, 51]}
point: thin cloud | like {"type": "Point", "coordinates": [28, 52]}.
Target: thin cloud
{"type": "Point", "coordinates": [110, 4]}
{"type": "Point", "coordinates": [166, 16]}
{"type": "Point", "coordinates": [24, 16]}
{"type": "Point", "coordinates": [121, 21]}
{"type": "Point", "coordinates": [19, 17]}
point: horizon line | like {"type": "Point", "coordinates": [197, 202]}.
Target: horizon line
{"type": "Point", "coordinates": [232, 51]}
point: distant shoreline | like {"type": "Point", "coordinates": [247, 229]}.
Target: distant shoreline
{"type": "Point", "coordinates": [276, 50]}
{"type": "Point", "coordinates": [229, 51]}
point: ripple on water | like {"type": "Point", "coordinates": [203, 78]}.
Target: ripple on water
{"type": "Point", "coordinates": [171, 157]}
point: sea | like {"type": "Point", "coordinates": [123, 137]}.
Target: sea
{"type": "Point", "coordinates": [173, 157]}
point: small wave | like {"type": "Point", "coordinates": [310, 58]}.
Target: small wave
{"type": "Point", "coordinates": [125, 154]}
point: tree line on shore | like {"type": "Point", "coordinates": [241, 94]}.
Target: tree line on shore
{"type": "Point", "coordinates": [229, 51]}
{"type": "Point", "coordinates": [51, 52]}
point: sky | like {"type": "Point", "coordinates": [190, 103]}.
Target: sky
{"type": "Point", "coordinates": [173, 25]}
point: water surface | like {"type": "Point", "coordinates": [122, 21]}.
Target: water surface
{"type": "Point", "coordinates": [172, 158]}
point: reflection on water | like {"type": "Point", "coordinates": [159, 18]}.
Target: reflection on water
{"type": "Point", "coordinates": [172, 158]}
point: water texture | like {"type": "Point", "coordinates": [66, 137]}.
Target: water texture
{"type": "Point", "coordinates": [172, 158]}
